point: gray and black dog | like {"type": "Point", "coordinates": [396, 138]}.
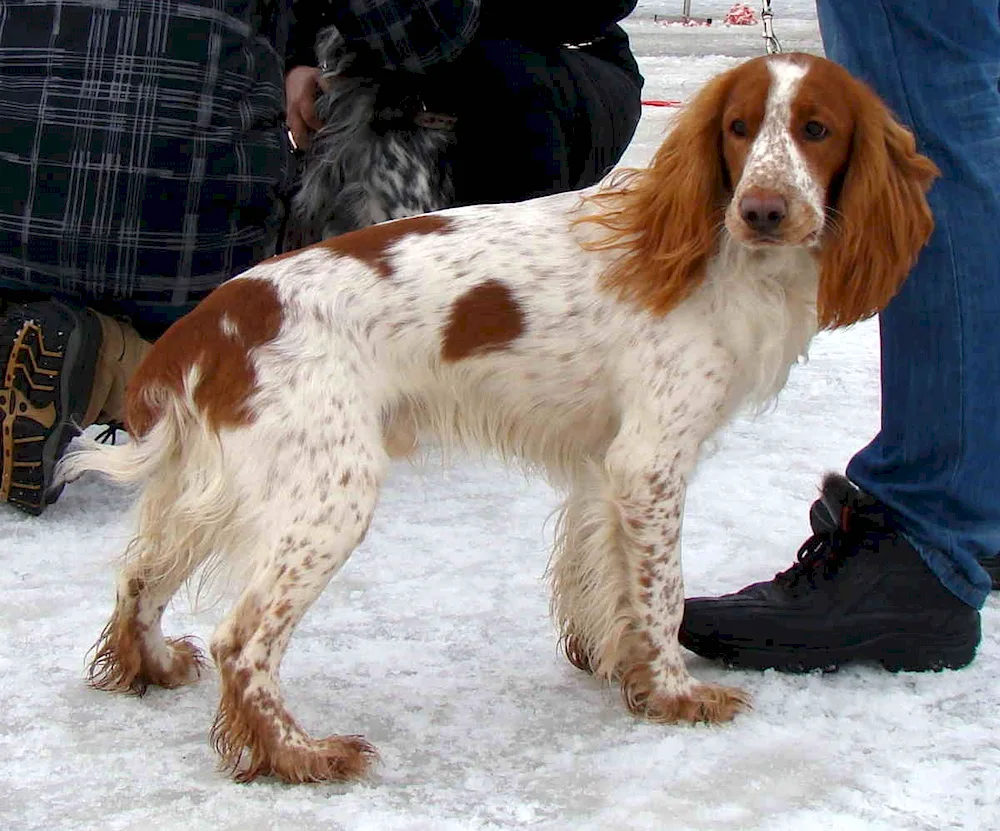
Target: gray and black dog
{"type": "Point", "coordinates": [380, 155]}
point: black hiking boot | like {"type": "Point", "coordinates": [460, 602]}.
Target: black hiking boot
{"type": "Point", "coordinates": [858, 591]}
{"type": "Point", "coordinates": [48, 353]}
{"type": "Point", "coordinates": [992, 566]}
{"type": "Point", "coordinates": [822, 521]}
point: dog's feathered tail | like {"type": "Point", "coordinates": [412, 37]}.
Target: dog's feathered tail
{"type": "Point", "coordinates": [188, 510]}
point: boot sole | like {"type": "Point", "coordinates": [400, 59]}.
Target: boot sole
{"type": "Point", "coordinates": [895, 652]}
{"type": "Point", "coordinates": [35, 404]}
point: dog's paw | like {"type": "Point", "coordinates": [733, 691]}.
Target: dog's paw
{"type": "Point", "coordinates": [334, 759]}
{"type": "Point", "coordinates": [694, 703]}
{"type": "Point", "coordinates": [704, 703]}
{"type": "Point", "coordinates": [576, 653]}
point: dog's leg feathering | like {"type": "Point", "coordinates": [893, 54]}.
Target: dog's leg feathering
{"type": "Point", "coordinates": [132, 652]}
{"type": "Point", "coordinates": [254, 733]}
{"type": "Point", "coordinates": [590, 577]}
{"type": "Point", "coordinates": [172, 540]}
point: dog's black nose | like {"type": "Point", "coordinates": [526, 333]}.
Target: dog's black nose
{"type": "Point", "coordinates": [763, 212]}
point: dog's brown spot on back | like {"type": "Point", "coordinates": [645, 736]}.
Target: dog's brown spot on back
{"type": "Point", "coordinates": [484, 319]}
{"type": "Point", "coordinates": [372, 245]}
{"type": "Point", "coordinates": [217, 336]}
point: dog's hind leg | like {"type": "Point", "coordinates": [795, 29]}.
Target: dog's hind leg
{"type": "Point", "coordinates": [132, 652]}
{"type": "Point", "coordinates": [321, 514]}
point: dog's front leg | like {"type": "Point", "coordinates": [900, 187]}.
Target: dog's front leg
{"type": "Point", "coordinates": [648, 478]}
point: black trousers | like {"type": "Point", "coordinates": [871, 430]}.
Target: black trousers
{"type": "Point", "coordinates": [536, 121]}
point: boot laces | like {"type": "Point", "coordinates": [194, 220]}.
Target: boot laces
{"type": "Point", "coordinates": [822, 555]}
{"type": "Point", "coordinates": [109, 434]}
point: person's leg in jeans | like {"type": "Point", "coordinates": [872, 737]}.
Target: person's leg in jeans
{"type": "Point", "coordinates": [936, 461]}
{"type": "Point", "coordinates": [928, 508]}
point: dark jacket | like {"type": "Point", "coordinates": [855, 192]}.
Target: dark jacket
{"type": "Point", "coordinates": [550, 22]}
{"type": "Point", "coordinates": [411, 35]}
{"type": "Point", "coordinates": [416, 35]}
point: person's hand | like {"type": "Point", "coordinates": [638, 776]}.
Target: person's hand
{"type": "Point", "coordinates": [301, 88]}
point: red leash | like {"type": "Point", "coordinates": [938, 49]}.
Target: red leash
{"type": "Point", "coordinates": [653, 102]}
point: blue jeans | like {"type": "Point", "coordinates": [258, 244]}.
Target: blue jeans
{"type": "Point", "coordinates": [936, 461]}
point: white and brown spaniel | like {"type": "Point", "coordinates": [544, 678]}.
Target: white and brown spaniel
{"type": "Point", "coordinates": [600, 336]}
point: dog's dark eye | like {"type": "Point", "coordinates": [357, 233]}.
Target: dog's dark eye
{"type": "Point", "coordinates": [738, 128]}
{"type": "Point", "coordinates": [815, 131]}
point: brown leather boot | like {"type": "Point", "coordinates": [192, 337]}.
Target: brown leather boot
{"type": "Point", "coordinates": [62, 368]}
{"type": "Point", "coordinates": [121, 352]}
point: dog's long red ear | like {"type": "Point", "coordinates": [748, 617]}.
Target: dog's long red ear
{"type": "Point", "coordinates": [882, 218]}
{"type": "Point", "coordinates": [666, 218]}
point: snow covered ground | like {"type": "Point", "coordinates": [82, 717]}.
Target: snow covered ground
{"type": "Point", "coordinates": [435, 643]}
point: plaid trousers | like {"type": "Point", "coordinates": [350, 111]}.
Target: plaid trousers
{"type": "Point", "coordinates": [142, 148]}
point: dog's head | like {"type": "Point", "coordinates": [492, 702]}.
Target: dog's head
{"type": "Point", "coordinates": [782, 151]}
